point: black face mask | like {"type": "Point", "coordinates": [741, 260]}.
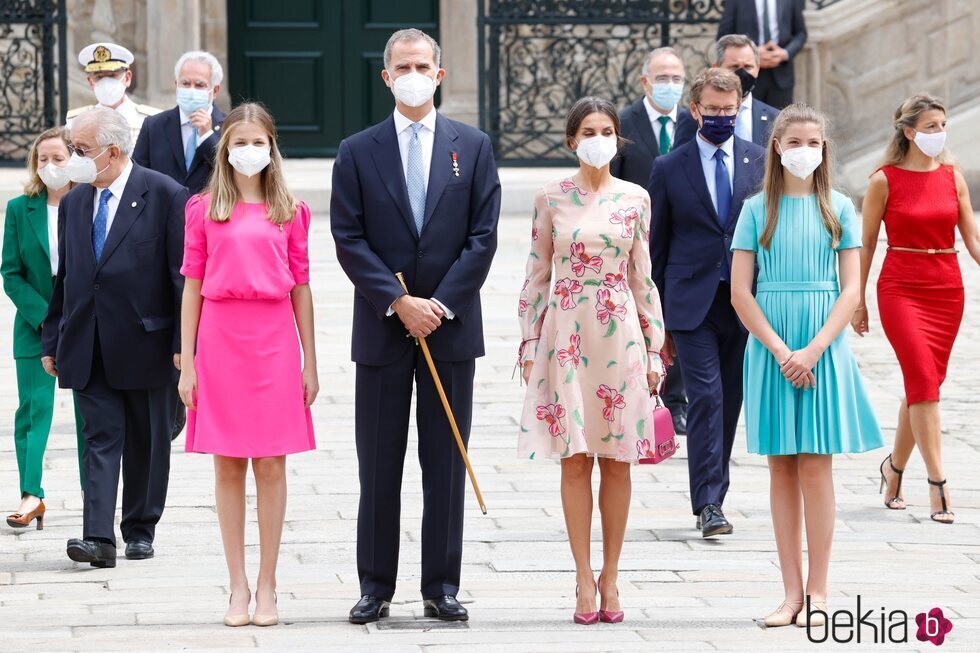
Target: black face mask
{"type": "Point", "coordinates": [747, 79]}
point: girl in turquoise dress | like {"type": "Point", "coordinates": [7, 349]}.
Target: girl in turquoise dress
{"type": "Point", "coordinates": [804, 397]}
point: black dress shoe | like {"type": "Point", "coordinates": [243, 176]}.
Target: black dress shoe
{"type": "Point", "coordinates": [139, 550]}
{"type": "Point", "coordinates": [179, 421]}
{"type": "Point", "coordinates": [680, 423]}
{"type": "Point", "coordinates": [368, 609]}
{"type": "Point", "coordinates": [712, 521]}
{"type": "Point", "coordinates": [446, 608]}
{"type": "Point", "coordinates": [97, 554]}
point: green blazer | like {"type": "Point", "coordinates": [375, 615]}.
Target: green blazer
{"type": "Point", "coordinates": [26, 269]}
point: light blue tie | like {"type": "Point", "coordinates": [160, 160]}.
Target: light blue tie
{"type": "Point", "coordinates": [416, 180]}
{"type": "Point", "coordinates": [99, 229]}
{"type": "Point", "coordinates": [743, 125]}
{"type": "Point", "coordinates": [190, 149]}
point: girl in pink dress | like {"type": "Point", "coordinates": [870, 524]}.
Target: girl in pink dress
{"type": "Point", "coordinates": [247, 386]}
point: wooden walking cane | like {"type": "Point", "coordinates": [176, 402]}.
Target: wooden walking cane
{"type": "Point", "coordinates": [447, 407]}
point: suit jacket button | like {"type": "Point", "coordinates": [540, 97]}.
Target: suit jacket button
{"type": "Point", "coordinates": [93, 316]}
{"type": "Point", "coordinates": [421, 253]}
{"type": "Point", "coordinates": [96, 287]}
{"type": "Point", "coordinates": [718, 265]}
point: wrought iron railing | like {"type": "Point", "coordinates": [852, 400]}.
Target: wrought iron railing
{"type": "Point", "coordinates": [33, 75]}
{"type": "Point", "coordinates": [536, 57]}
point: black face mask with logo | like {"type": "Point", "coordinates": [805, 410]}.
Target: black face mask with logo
{"type": "Point", "coordinates": [747, 79]}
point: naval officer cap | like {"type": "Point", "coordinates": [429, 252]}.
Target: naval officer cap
{"type": "Point", "coordinates": [105, 57]}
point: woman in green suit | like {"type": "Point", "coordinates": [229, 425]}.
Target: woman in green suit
{"type": "Point", "coordinates": [29, 263]}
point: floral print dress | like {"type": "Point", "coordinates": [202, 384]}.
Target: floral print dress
{"type": "Point", "coordinates": [593, 326]}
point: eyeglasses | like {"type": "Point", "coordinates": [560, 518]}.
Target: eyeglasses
{"type": "Point", "coordinates": [669, 79]}
{"type": "Point", "coordinates": [73, 149]}
{"type": "Point", "coordinates": [730, 110]}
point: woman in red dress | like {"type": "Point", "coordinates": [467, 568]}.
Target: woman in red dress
{"type": "Point", "coordinates": [922, 198]}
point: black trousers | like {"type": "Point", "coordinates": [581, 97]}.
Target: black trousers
{"type": "Point", "coordinates": [769, 92]}
{"type": "Point", "coordinates": [382, 407]}
{"type": "Point", "coordinates": [711, 362]}
{"type": "Point", "coordinates": [134, 427]}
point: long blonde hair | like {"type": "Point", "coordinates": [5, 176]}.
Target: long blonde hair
{"type": "Point", "coordinates": [907, 116]}
{"type": "Point", "coordinates": [34, 185]}
{"type": "Point", "coordinates": [772, 183]}
{"type": "Point", "coordinates": [223, 191]}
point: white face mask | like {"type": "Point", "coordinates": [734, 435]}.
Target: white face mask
{"type": "Point", "coordinates": [249, 160]}
{"type": "Point", "coordinates": [802, 161]}
{"type": "Point", "coordinates": [81, 169]}
{"type": "Point", "coordinates": [54, 177]}
{"type": "Point", "coordinates": [413, 89]}
{"type": "Point", "coordinates": [109, 90]}
{"type": "Point", "coordinates": [931, 144]}
{"type": "Point", "coordinates": [597, 151]}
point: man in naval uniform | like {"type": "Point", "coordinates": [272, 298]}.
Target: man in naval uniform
{"type": "Point", "coordinates": [107, 68]}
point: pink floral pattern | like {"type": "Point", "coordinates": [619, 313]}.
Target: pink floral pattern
{"type": "Point", "coordinates": [522, 302]}
{"type": "Point", "coordinates": [573, 353]}
{"type": "Point", "coordinates": [606, 309]}
{"type": "Point", "coordinates": [617, 280]}
{"type": "Point", "coordinates": [567, 288]}
{"type": "Point", "coordinates": [589, 316]}
{"type": "Point", "coordinates": [625, 217]}
{"type": "Point", "coordinates": [551, 414]}
{"type": "Point", "coordinates": [611, 400]}
{"type": "Point", "coordinates": [582, 261]}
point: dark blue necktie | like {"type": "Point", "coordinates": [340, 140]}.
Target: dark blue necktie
{"type": "Point", "coordinates": [723, 188]}
{"type": "Point", "coordinates": [100, 225]}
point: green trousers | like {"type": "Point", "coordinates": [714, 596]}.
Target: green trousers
{"type": "Point", "coordinates": [32, 424]}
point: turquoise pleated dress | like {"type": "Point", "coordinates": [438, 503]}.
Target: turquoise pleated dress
{"type": "Point", "coordinates": [797, 289]}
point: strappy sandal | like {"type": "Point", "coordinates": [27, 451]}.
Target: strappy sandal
{"type": "Point", "coordinates": [890, 503]}
{"type": "Point", "coordinates": [942, 497]}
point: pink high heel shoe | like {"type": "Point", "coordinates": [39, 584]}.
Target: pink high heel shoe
{"type": "Point", "coordinates": [586, 618]}
{"type": "Point", "coordinates": [610, 616]}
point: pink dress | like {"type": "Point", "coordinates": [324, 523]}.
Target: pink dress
{"type": "Point", "coordinates": [248, 359]}
{"type": "Point", "coordinates": [591, 322]}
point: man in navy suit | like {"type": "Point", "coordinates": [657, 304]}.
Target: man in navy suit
{"type": "Point", "coordinates": [740, 55]}
{"type": "Point", "coordinates": [181, 141]}
{"type": "Point", "coordinates": [696, 195]}
{"type": "Point", "coordinates": [111, 333]}
{"type": "Point", "coordinates": [417, 193]}
{"type": "Point", "coordinates": [649, 127]}
{"type": "Point", "coordinates": [779, 29]}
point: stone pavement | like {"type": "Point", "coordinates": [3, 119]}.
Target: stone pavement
{"type": "Point", "coordinates": [679, 592]}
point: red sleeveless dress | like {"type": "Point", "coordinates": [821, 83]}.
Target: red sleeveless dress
{"type": "Point", "coordinates": [920, 296]}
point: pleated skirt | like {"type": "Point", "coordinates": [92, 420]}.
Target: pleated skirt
{"type": "Point", "coordinates": [836, 415]}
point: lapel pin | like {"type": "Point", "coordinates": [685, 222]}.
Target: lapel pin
{"type": "Point", "coordinates": [764, 118]}
{"type": "Point", "coordinates": [745, 160]}
{"type": "Point", "coordinates": [455, 165]}
{"type": "Point", "coordinates": [134, 205]}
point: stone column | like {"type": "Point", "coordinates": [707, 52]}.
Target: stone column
{"type": "Point", "coordinates": [173, 28]}
{"type": "Point", "coordinates": [459, 41]}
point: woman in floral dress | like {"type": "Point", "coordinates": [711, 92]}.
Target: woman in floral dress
{"type": "Point", "coordinates": [592, 331]}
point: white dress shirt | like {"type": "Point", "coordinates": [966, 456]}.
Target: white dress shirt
{"type": "Point", "coordinates": [116, 188]}
{"type": "Point", "coordinates": [654, 117]}
{"type": "Point", "coordinates": [773, 21]}
{"type": "Point", "coordinates": [427, 137]}
{"type": "Point", "coordinates": [53, 238]}
{"type": "Point", "coordinates": [186, 128]}
{"type": "Point", "coordinates": [708, 163]}
{"type": "Point", "coordinates": [743, 123]}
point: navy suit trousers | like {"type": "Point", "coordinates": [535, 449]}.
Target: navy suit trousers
{"type": "Point", "coordinates": [711, 363]}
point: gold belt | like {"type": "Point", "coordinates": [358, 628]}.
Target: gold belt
{"type": "Point", "coordinates": [951, 250]}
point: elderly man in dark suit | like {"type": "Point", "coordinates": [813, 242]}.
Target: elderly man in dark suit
{"type": "Point", "coordinates": [737, 53]}
{"type": "Point", "coordinates": [779, 29]}
{"type": "Point", "coordinates": [696, 195]}
{"type": "Point", "coordinates": [181, 141]}
{"type": "Point", "coordinates": [650, 125]}
{"type": "Point", "coordinates": [111, 330]}
{"type": "Point", "coordinates": [417, 193]}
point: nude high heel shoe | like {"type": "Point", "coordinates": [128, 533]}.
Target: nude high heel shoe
{"type": "Point", "coordinates": [267, 619]}
{"type": "Point", "coordinates": [817, 618]}
{"type": "Point", "coordinates": [784, 615]}
{"type": "Point", "coordinates": [237, 620]}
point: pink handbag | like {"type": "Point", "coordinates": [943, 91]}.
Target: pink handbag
{"type": "Point", "coordinates": [664, 444]}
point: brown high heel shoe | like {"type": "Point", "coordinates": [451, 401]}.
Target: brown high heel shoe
{"type": "Point", "coordinates": [18, 520]}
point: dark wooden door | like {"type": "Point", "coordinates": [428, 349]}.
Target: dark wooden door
{"type": "Point", "coordinates": [316, 64]}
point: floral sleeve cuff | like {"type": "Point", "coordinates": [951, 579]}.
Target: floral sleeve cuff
{"type": "Point", "coordinates": [527, 351]}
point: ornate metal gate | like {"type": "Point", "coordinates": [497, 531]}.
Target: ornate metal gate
{"type": "Point", "coordinates": [33, 75]}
